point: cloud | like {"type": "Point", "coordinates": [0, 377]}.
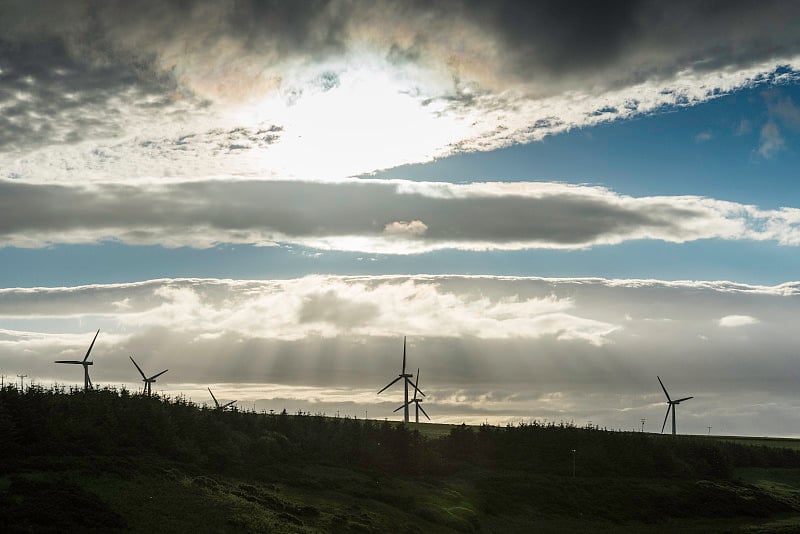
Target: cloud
{"type": "Point", "coordinates": [376, 216]}
{"type": "Point", "coordinates": [403, 228]}
{"type": "Point", "coordinates": [498, 348]}
{"type": "Point", "coordinates": [49, 98]}
{"type": "Point", "coordinates": [771, 140]}
{"type": "Point", "coordinates": [744, 127]}
{"type": "Point", "coordinates": [732, 321]}
{"type": "Point", "coordinates": [107, 88]}
{"type": "Point", "coordinates": [329, 308]}
{"type": "Point", "coordinates": [782, 113]}
{"type": "Point", "coordinates": [784, 110]}
{"type": "Point", "coordinates": [206, 43]}
{"type": "Point", "coordinates": [702, 137]}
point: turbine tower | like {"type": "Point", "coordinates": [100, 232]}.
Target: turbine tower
{"type": "Point", "coordinates": [147, 381]}
{"type": "Point", "coordinates": [416, 402]}
{"type": "Point", "coordinates": [671, 406]}
{"type": "Point", "coordinates": [87, 382]}
{"type": "Point", "coordinates": [406, 381]}
{"type": "Point", "coordinates": [219, 406]}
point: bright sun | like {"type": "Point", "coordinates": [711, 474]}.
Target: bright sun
{"type": "Point", "coordinates": [372, 117]}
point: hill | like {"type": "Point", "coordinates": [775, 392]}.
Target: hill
{"type": "Point", "coordinates": [107, 460]}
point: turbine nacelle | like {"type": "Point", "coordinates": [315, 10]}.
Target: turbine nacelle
{"type": "Point", "coordinates": [416, 402]}
{"type": "Point", "coordinates": [148, 380]}
{"type": "Point", "coordinates": [406, 378]}
{"type": "Point", "coordinates": [87, 381]}
{"type": "Point", "coordinates": [671, 404]}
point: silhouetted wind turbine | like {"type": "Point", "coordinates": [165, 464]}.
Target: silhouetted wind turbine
{"type": "Point", "coordinates": [406, 381]}
{"type": "Point", "coordinates": [223, 406]}
{"type": "Point", "coordinates": [671, 406]}
{"type": "Point", "coordinates": [87, 382]}
{"type": "Point", "coordinates": [416, 402]}
{"type": "Point", "coordinates": [147, 381]}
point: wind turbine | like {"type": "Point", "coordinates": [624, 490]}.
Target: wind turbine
{"type": "Point", "coordinates": [87, 382]}
{"type": "Point", "coordinates": [406, 381]}
{"type": "Point", "coordinates": [416, 402]}
{"type": "Point", "coordinates": [147, 381]}
{"type": "Point", "coordinates": [671, 406]}
{"type": "Point", "coordinates": [219, 406]}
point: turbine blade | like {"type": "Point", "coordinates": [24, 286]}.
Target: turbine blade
{"type": "Point", "coordinates": [90, 346]}
{"type": "Point", "coordinates": [416, 389]}
{"type": "Point", "coordinates": [414, 386]}
{"type": "Point", "coordinates": [69, 361]}
{"type": "Point", "coordinates": [213, 397]}
{"type": "Point", "coordinates": [389, 384]}
{"type": "Point", "coordinates": [137, 367]}
{"type": "Point", "coordinates": [404, 354]}
{"type": "Point", "coordinates": [231, 403]}
{"type": "Point", "coordinates": [662, 387]}
{"type": "Point", "coordinates": [399, 408]}
{"type": "Point", "coordinates": [665, 418]}
{"type": "Point", "coordinates": [423, 411]}
{"type": "Point", "coordinates": [159, 374]}
{"type": "Point", "coordinates": [683, 399]}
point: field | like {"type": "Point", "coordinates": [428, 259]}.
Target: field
{"type": "Point", "coordinates": [108, 461]}
{"type": "Point", "coordinates": [785, 443]}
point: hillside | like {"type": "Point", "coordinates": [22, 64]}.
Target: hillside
{"type": "Point", "coordinates": [107, 460]}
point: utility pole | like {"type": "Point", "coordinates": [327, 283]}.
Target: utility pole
{"type": "Point", "coordinates": [709, 430]}
{"type": "Point", "coordinates": [21, 382]}
{"type": "Point", "coordinates": [365, 414]}
{"type": "Point", "coordinates": [643, 420]}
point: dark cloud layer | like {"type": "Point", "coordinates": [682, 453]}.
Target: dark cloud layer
{"type": "Point", "coordinates": [430, 216]}
{"type": "Point", "coordinates": [636, 38]}
{"type": "Point", "coordinates": [50, 97]}
{"type": "Point", "coordinates": [117, 81]}
{"type": "Point", "coordinates": [630, 41]}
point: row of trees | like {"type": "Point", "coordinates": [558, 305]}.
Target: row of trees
{"type": "Point", "coordinates": [41, 422]}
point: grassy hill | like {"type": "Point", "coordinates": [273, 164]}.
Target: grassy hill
{"type": "Point", "coordinates": [108, 460]}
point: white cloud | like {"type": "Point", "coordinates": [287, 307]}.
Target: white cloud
{"type": "Point", "coordinates": [488, 347]}
{"type": "Point", "coordinates": [374, 216]}
{"type": "Point", "coordinates": [347, 89]}
{"type": "Point", "coordinates": [732, 321]}
{"type": "Point", "coordinates": [702, 137]}
{"type": "Point", "coordinates": [403, 228]}
{"type": "Point", "coordinates": [771, 140]}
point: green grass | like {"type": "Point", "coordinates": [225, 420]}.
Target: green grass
{"type": "Point", "coordinates": [316, 498]}
{"type": "Point", "coordinates": [782, 443]}
{"type": "Point", "coordinates": [789, 478]}
{"type": "Point", "coordinates": [437, 430]}
{"type": "Point", "coordinates": [148, 464]}
{"type": "Point", "coordinates": [784, 484]}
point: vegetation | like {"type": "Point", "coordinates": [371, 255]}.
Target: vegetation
{"type": "Point", "coordinates": [105, 460]}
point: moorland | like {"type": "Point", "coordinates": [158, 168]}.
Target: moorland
{"type": "Point", "coordinates": [107, 460]}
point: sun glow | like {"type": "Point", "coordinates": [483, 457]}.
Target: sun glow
{"type": "Point", "coordinates": [354, 118]}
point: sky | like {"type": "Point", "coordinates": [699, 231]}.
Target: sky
{"type": "Point", "coordinates": [553, 202]}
